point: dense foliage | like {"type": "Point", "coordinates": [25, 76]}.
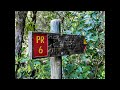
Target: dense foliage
{"type": "Point", "coordinates": [89, 65]}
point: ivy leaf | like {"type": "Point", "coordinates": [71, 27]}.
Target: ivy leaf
{"type": "Point", "coordinates": [79, 69]}
{"type": "Point", "coordinates": [86, 68]}
{"type": "Point", "coordinates": [88, 37]}
{"type": "Point", "coordinates": [68, 32]}
{"type": "Point", "coordinates": [29, 68]}
{"type": "Point", "coordinates": [23, 48]}
{"type": "Point", "coordinates": [77, 33]}
{"type": "Point", "coordinates": [73, 75]}
{"type": "Point", "coordinates": [24, 60]}
{"type": "Point", "coordinates": [94, 16]}
{"type": "Point", "coordinates": [70, 67]}
{"type": "Point", "coordinates": [65, 59]}
{"type": "Point", "coordinates": [87, 28]}
{"type": "Point", "coordinates": [37, 62]}
{"type": "Point", "coordinates": [80, 77]}
{"type": "Point", "coordinates": [95, 38]}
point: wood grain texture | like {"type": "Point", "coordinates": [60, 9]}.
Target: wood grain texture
{"type": "Point", "coordinates": [56, 61]}
{"type": "Point", "coordinates": [30, 44]}
{"type": "Point", "coordinates": [59, 45]}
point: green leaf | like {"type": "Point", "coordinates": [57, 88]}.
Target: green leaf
{"type": "Point", "coordinates": [79, 70]}
{"type": "Point", "coordinates": [69, 67]}
{"type": "Point", "coordinates": [29, 68]}
{"type": "Point", "coordinates": [88, 28]}
{"type": "Point", "coordinates": [77, 33]}
{"type": "Point", "coordinates": [74, 75]}
{"type": "Point", "coordinates": [24, 60]}
{"type": "Point", "coordinates": [23, 49]}
{"type": "Point", "coordinates": [95, 38]}
{"type": "Point", "coordinates": [37, 62]}
{"type": "Point", "coordinates": [86, 68]}
{"type": "Point", "coordinates": [80, 77]}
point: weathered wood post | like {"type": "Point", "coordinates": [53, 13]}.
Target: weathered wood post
{"type": "Point", "coordinates": [56, 62]}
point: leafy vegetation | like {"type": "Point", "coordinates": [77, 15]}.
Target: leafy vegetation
{"type": "Point", "coordinates": [88, 65]}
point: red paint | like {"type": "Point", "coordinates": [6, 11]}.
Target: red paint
{"type": "Point", "coordinates": [40, 44]}
{"type": "Point", "coordinates": [84, 48]}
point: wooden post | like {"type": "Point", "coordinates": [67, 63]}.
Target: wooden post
{"type": "Point", "coordinates": [30, 44]}
{"type": "Point", "coordinates": [56, 62]}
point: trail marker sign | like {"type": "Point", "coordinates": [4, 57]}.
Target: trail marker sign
{"type": "Point", "coordinates": [52, 44]}
{"type": "Point", "coordinates": [40, 45]}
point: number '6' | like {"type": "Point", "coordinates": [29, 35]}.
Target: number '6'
{"type": "Point", "coordinates": [40, 50]}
